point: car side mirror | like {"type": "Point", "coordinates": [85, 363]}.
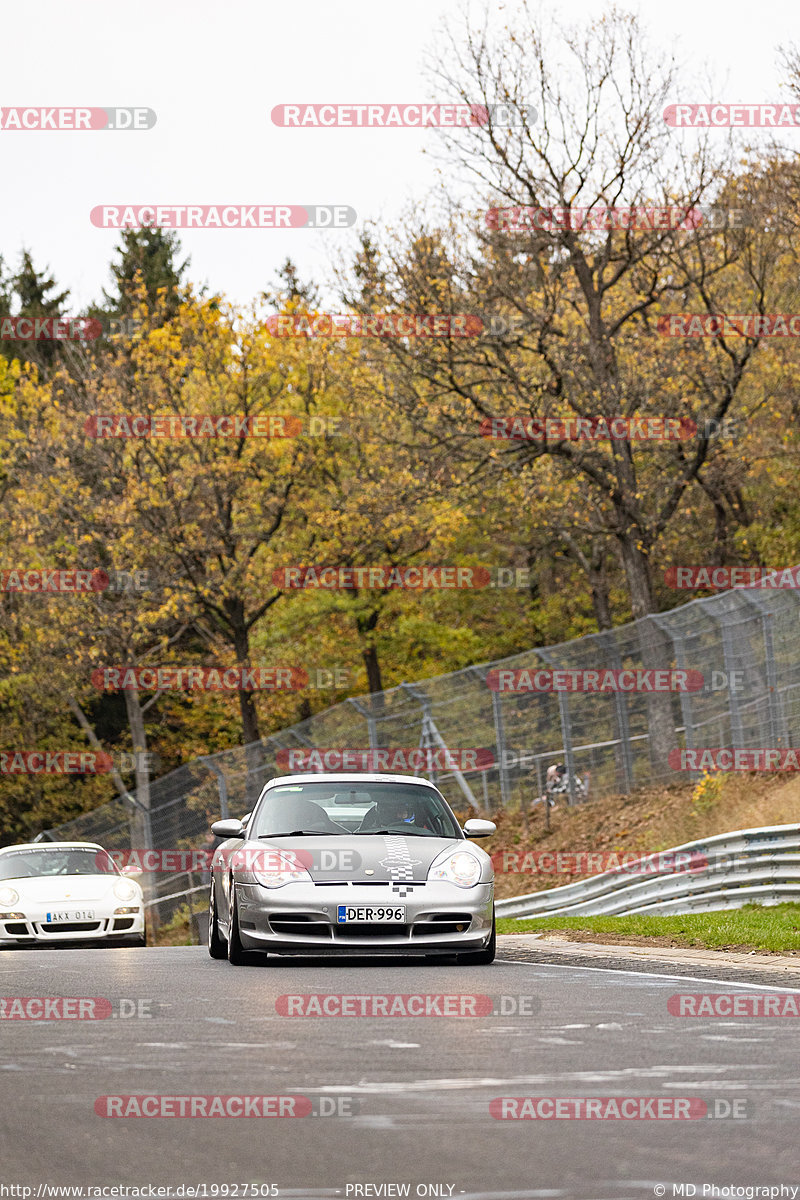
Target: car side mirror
{"type": "Point", "coordinates": [131, 872]}
{"type": "Point", "coordinates": [228, 829]}
{"type": "Point", "coordinates": [476, 829]}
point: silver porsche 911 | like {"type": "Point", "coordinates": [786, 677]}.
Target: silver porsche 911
{"type": "Point", "coordinates": [351, 864]}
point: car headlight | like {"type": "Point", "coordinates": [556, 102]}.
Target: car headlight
{"type": "Point", "coordinates": [8, 897]}
{"type": "Point", "coordinates": [458, 867]}
{"type": "Point", "coordinates": [124, 890]}
{"type": "Point", "coordinates": [277, 871]}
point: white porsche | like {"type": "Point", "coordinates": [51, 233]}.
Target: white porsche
{"type": "Point", "coordinates": [67, 892]}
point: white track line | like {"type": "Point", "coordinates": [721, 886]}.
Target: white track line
{"type": "Point", "coordinates": [770, 987]}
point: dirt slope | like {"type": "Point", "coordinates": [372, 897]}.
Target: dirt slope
{"type": "Point", "coordinates": [645, 822]}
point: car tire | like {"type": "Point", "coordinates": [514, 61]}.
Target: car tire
{"type": "Point", "coordinates": [217, 946]}
{"type": "Point", "coordinates": [236, 951]}
{"type": "Point", "coordinates": [482, 957]}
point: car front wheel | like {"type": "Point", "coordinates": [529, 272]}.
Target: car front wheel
{"type": "Point", "coordinates": [217, 946]}
{"type": "Point", "coordinates": [236, 951]}
{"type": "Point", "coordinates": [485, 956]}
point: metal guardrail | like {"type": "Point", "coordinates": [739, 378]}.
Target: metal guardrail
{"type": "Point", "coordinates": [154, 900]}
{"type": "Point", "coordinates": [176, 895]}
{"type": "Point", "coordinates": [742, 867]}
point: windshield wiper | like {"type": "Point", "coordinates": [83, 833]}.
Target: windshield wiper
{"type": "Point", "coordinates": [299, 833]}
{"type": "Point", "coordinates": [394, 829]}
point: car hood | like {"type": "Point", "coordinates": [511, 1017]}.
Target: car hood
{"type": "Point", "coordinates": [364, 858]}
{"type": "Point", "coordinates": [49, 889]}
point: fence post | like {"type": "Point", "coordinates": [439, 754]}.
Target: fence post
{"type": "Point", "coordinates": [190, 881]}
{"type": "Point", "coordinates": [779, 733]}
{"type": "Point", "coordinates": [566, 737]}
{"type": "Point", "coordinates": [566, 729]}
{"type": "Point", "coordinates": [685, 698]}
{"type": "Point", "coordinates": [734, 712]}
{"type": "Point", "coordinates": [500, 742]}
{"type": "Point", "coordinates": [372, 724]}
{"type": "Point", "coordinates": [541, 792]}
{"type": "Point", "coordinates": [222, 783]}
{"type": "Point", "coordinates": [790, 714]}
{"type": "Point", "coordinates": [609, 643]}
{"type": "Point", "coordinates": [430, 728]}
{"type": "Point", "coordinates": [141, 819]}
{"type": "Point", "coordinates": [678, 642]}
{"type": "Point", "coordinates": [427, 729]}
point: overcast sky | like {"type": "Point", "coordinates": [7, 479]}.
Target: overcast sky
{"type": "Point", "coordinates": [213, 72]}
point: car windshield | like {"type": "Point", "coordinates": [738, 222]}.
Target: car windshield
{"type": "Point", "coordinates": [29, 864]}
{"type": "Point", "coordinates": [339, 809]}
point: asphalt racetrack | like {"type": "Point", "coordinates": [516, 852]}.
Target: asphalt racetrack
{"type": "Point", "coordinates": [390, 1102]}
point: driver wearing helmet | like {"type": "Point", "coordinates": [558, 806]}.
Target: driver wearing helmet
{"type": "Point", "coordinates": [388, 812]}
{"type": "Point", "coordinates": [57, 864]}
{"type": "Point", "coordinates": [396, 811]}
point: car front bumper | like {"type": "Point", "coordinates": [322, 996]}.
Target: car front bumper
{"type": "Point", "coordinates": [31, 926]}
{"type": "Point", "coordinates": [301, 918]}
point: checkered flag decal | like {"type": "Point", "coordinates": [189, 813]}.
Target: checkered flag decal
{"type": "Point", "coordinates": [399, 864]}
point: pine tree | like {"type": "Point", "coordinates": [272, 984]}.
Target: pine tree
{"type": "Point", "coordinates": [151, 255]}
{"type": "Point", "coordinates": [290, 289]}
{"type": "Point", "coordinates": [28, 294]}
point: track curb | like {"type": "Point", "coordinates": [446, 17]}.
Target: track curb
{"type": "Point", "coordinates": [638, 955]}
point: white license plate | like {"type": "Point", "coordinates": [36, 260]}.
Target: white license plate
{"type": "Point", "coordinates": [370, 914]}
{"type": "Point", "coordinates": [83, 914]}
